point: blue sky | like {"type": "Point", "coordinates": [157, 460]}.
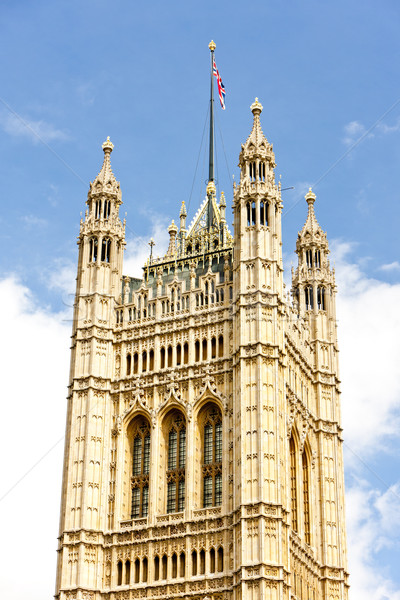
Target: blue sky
{"type": "Point", "coordinates": [327, 75]}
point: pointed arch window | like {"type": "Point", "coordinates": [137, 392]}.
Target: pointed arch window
{"type": "Point", "coordinates": [176, 465]}
{"type": "Point", "coordinates": [140, 469]}
{"type": "Point", "coordinates": [107, 208]}
{"type": "Point", "coordinates": [306, 498]}
{"type": "Point", "coordinates": [309, 259]}
{"type": "Point", "coordinates": [93, 246]}
{"type": "Point", "coordinates": [105, 250]}
{"type": "Point", "coordinates": [97, 209]}
{"type": "Point", "coordinates": [293, 483]}
{"type": "Point", "coordinates": [263, 213]}
{"type": "Point", "coordinates": [309, 297]}
{"type": "Point", "coordinates": [318, 259]}
{"type": "Point", "coordinates": [212, 458]}
{"type": "Point", "coordinates": [321, 297]}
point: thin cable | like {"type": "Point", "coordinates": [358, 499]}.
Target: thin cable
{"type": "Point", "coordinates": [35, 133]}
{"type": "Point", "coordinates": [371, 470]}
{"type": "Point", "coordinates": [360, 139]}
{"type": "Point", "coordinates": [223, 147]}
{"type": "Point", "coordinates": [198, 157]}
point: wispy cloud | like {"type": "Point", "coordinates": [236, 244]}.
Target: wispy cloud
{"type": "Point", "coordinates": [353, 131]}
{"type": "Point", "coordinates": [373, 524]}
{"type": "Point", "coordinates": [393, 266]}
{"type": "Point", "coordinates": [369, 321]}
{"type": "Point", "coordinates": [32, 221]}
{"type": "Point", "coordinates": [138, 250]}
{"type": "Point", "coordinates": [35, 131]}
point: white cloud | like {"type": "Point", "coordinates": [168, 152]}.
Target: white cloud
{"type": "Point", "coordinates": [393, 266]}
{"type": "Point", "coordinates": [138, 249]}
{"type": "Point", "coordinates": [373, 524]}
{"type": "Point", "coordinates": [369, 322]}
{"type": "Point", "coordinates": [353, 131]}
{"type": "Point", "coordinates": [34, 357]}
{"type": "Point", "coordinates": [33, 130]}
{"type": "Point", "coordinates": [32, 221]}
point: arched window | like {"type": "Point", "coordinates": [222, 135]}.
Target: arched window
{"type": "Point", "coordinates": [212, 560]}
{"type": "Point", "coordinates": [97, 208]}
{"type": "Point", "coordinates": [178, 354]}
{"type": "Point", "coordinates": [144, 361]}
{"type": "Point", "coordinates": [93, 246]}
{"type": "Point", "coordinates": [197, 351]}
{"type": "Point", "coordinates": [202, 562]}
{"type": "Point", "coordinates": [105, 250]}
{"type": "Point", "coordinates": [182, 564]}
{"type": "Point", "coordinates": [137, 570]}
{"type": "Point", "coordinates": [127, 572]}
{"type": "Point", "coordinates": [176, 465]}
{"type": "Point", "coordinates": [212, 458]}
{"type": "Point", "coordinates": [204, 353]}
{"type": "Point", "coordinates": [306, 498]}
{"type": "Point", "coordinates": [128, 363]}
{"type": "Point", "coordinates": [321, 297]}
{"type": "Point", "coordinates": [119, 572]}
{"type": "Point", "coordinates": [174, 566]}
{"type": "Point", "coordinates": [248, 213]}
{"type": "Point", "coordinates": [107, 206]}
{"type": "Point", "coordinates": [140, 468]}
{"type": "Point", "coordinates": [309, 258]}
{"type": "Point", "coordinates": [309, 297]}
{"type": "Point", "coordinates": [169, 354]}
{"type": "Point", "coordinates": [253, 213]}
{"type": "Point", "coordinates": [151, 360]}
{"type": "Point", "coordinates": [318, 259]}
{"type": "Point", "coordinates": [194, 563]}
{"type": "Point", "coordinates": [156, 568]}
{"type": "Point", "coordinates": [213, 348]}
{"type": "Point", "coordinates": [144, 570]}
{"type": "Point", "coordinates": [135, 362]}
{"type": "Point", "coordinates": [164, 563]}
{"type": "Point", "coordinates": [220, 559]}
{"type": "Point", "coordinates": [293, 483]}
{"type": "Point", "coordinates": [185, 353]}
{"type": "Point", "coordinates": [162, 358]}
{"type": "Point", "coordinates": [220, 346]}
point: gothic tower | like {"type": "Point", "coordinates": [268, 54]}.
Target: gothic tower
{"type": "Point", "coordinates": [203, 455]}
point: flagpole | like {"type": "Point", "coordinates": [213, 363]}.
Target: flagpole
{"type": "Point", "coordinates": [211, 183]}
{"type": "Point", "coordinates": [211, 46]}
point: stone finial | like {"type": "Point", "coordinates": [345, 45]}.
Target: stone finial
{"type": "Point", "coordinates": [108, 146]}
{"type": "Point", "coordinates": [172, 230]}
{"type": "Point", "coordinates": [256, 107]}
{"type": "Point", "coordinates": [310, 197]}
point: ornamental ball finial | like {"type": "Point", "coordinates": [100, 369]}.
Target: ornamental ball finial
{"type": "Point", "coordinates": [212, 45]}
{"type": "Point", "coordinates": [108, 145]}
{"type": "Point", "coordinates": [256, 107]}
{"type": "Point", "coordinates": [310, 196]}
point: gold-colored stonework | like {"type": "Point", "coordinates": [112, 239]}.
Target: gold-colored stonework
{"type": "Point", "coordinates": [204, 446]}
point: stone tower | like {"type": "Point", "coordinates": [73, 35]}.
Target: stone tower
{"type": "Point", "coordinates": [203, 455]}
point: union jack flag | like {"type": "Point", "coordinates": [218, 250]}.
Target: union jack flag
{"type": "Point", "coordinates": [221, 87]}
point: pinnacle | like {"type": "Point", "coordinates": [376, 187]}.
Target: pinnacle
{"type": "Point", "coordinates": [105, 180]}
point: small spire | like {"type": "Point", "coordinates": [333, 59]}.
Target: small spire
{"type": "Point", "coordinates": [183, 212]}
{"type": "Point", "coordinates": [172, 230]}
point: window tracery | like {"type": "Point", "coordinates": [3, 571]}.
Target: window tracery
{"type": "Point", "coordinates": [140, 468]}
{"type": "Point", "coordinates": [176, 464]}
{"type": "Point", "coordinates": [212, 458]}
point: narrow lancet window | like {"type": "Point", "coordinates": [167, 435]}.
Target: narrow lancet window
{"type": "Point", "coordinates": [306, 498]}
{"type": "Point", "coordinates": [293, 483]}
{"type": "Point", "coordinates": [140, 468]}
{"type": "Point", "coordinates": [176, 465]}
{"type": "Point", "coordinates": [212, 458]}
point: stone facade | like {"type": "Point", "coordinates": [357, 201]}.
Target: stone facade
{"type": "Point", "coordinates": [203, 455]}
